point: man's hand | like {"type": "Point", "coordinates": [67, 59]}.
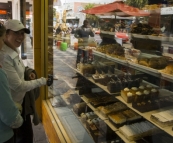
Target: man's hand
{"type": "Point", "coordinates": [32, 76]}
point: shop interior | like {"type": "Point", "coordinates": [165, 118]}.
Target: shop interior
{"type": "Point", "coordinates": [113, 87]}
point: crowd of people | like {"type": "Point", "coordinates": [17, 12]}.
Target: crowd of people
{"type": "Point", "coordinates": [19, 87]}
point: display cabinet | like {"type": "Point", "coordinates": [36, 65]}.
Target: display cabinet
{"type": "Point", "coordinates": [111, 92]}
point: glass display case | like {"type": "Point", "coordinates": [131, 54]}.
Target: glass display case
{"type": "Point", "coordinates": [108, 89]}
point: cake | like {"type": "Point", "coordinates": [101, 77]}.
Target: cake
{"type": "Point", "coordinates": [127, 95]}
{"type": "Point", "coordinates": [131, 115]}
{"type": "Point", "coordinates": [138, 97]}
{"type": "Point", "coordinates": [164, 118]}
{"type": "Point", "coordinates": [114, 86]}
{"type": "Point", "coordinates": [106, 110]}
{"type": "Point", "coordinates": [154, 94]}
{"type": "Point", "coordinates": [141, 88]}
{"type": "Point", "coordinates": [138, 130]}
{"type": "Point", "coordinates": [147, 95]}
{"type": "Point", "coordinates": [117, 119]}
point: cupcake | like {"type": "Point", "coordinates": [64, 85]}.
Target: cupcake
{"type": "Point", "coordinates": [141, 88]}
{"type": "Point", "coordinates": [154, 93]}
{"type": "Point", "coordinates": [138, 97]}
{"type": "Point", "coordinates": [130, 97]}
{"type": "Point", "coordinates": [134, 90]}
{"type": "Point", "coordinates": [149, 87]}
{"type": "Point", "coordinates": [147, 95]}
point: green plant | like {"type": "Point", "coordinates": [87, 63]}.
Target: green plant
{"type": "Point", "coordinates": [137, 3]}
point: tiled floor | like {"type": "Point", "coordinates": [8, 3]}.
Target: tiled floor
{"type": "Point", "coordinates": [39, 132]}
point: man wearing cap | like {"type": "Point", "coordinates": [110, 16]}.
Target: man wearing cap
{"type": "Point", "coordinates": [15, 69]}
{"type": "Point", "coordinates": [82, 33]}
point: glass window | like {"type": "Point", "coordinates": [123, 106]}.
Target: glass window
{"type": "Point", "coordinates": [112, 67]}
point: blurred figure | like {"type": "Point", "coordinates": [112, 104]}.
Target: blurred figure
{"type": "Point", "coordinates": [82, 33]}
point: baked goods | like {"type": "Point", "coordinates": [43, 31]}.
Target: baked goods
{"type": "Point", "coordinates": [164, 118]}
{"type": "Point", "coordinates": [154, 62]}
{"type": "Point", "coordinates": [79, 108]}
{"type": "Point", "coordinates": [117, 119]}
{"type": "Point", "coordinates": [149, 105]}
{"type": "Point", "coordinates": [127, 95]}
{"type": "Point", "coordinates": [123, 117]}
{"type": "Point", "coordinates": [144, 61]}
{"type": "Point", "coordinates": [88, 115]}
{"type": "Point", "coordinates": [138, 130]}
{"type": "Point", "coordinates": [108, 109]}
{"type": "Point", "coordinates": [154, 93]}
{"type": "Point", "coordinates": [168, 69]}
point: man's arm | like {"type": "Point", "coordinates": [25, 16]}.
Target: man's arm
{"type": "Point", "coordinates": [91, 33]}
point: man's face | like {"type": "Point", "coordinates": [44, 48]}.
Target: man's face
{"type": "Point", "coordinates": [15, 38]}
{"type": "Point", "coordinates": [86, 24]}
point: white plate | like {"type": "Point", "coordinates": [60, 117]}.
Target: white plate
{"type": "Point", "coordinates": [160, 38]}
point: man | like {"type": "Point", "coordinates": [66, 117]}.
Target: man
{"type": "Point", "coordinates": [82, 33]}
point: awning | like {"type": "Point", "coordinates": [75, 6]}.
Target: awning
{"type": "Point", "coordinates": [118, 8]}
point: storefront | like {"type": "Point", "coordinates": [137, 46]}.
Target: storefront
{"type": "Point", "coordinates": [61, 106]}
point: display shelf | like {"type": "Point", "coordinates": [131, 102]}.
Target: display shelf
{"type": "Point", "coordinates": [142, 68]}
{"type": "Point", "coordinates": [101, 86]}
{"type": "Point", "coordinates": [93, 108]}
{"type": "Point", "coordinates": [111, 125]}
{"type": "Point", "coordinates": [147, 115]}
{"type": "Point", "coordinates": [123, 62]}
{"type": "Point", "coordinates": [166, 76]}
{"type": "Point", "coordinates": [124, 138]}
{"type": "Point", "coordinates": [100, 115]}
{"type": "Point", "coordinates": [85, 99]}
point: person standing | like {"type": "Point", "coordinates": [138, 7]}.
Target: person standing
{"type": "Point", "coordinates": [82, 33]}
{"type": "Point", "coordinates": [15, 69]}
{"type": "Point", "coordinates": [9, 114]}
{"type": "Point", "coordinates": [31, 33]}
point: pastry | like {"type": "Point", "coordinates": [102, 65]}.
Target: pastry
{"type": "Point", "coordinates": [117, 119]}
{"type": "Point", "coordinates": [164, 118]}
{"type": "Point", "coordinates": [138, 97]}
{"type": "Point", "coordinates": [154, 93]}
{"type": "Point", "coordinates": [147, 95]}
{"type": "Point", "coordinates": [131, 115]}
{"type": "Point", "coordinates": [144, 61]}
{"type": "Point", "coordinates": [127, 95]}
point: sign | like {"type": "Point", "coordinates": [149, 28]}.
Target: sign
{"type": "Point", "coordinates": [3, 12]}
{"type": "Point", "coordinates": [166, 10]}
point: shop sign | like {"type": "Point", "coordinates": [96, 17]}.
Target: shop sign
{"type": "Point", "coordinates": [166, 10]}
{"type": "Point", "coordinates": [3, 12]}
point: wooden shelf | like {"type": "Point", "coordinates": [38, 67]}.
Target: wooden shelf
{"type": "Point", "coordinates": [147, 115]}
{"type": "Point", "coordinates": [124, 138]}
